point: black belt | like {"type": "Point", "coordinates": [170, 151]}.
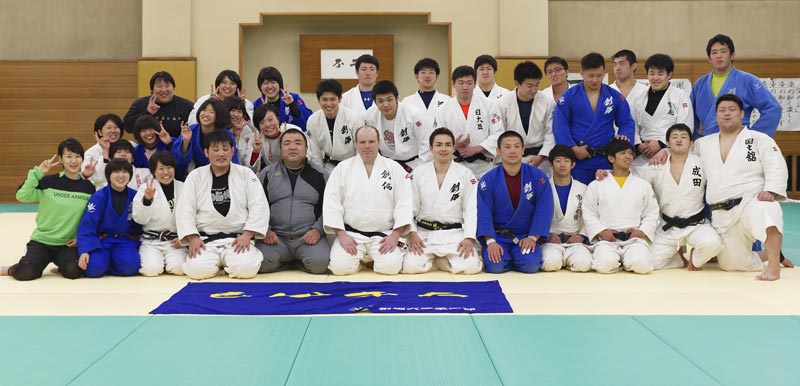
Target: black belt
{"type": "Point", "coordinates": [160, 236]}
{"type": "Point", "coordinates": [436, 226]}
{"type": "Point", "coordinates": [405, 162]}
{"type": "Point", "coordinates": [532, 151]}
{"type": "Point", "coordinates": [508, 234]}
{"type": "Point", "coordinates": [595, 151]}
{"type": "Point", "coordinates": [726, 205]}
{"type": "Point", "coordinates": [217, 236]}
{"type": "Point", "coordinates": [471, 159]}
{"type": "Point", "coordinates": [679, 222]}
{"type": "Point", "coordinates": [118, 235]}
{"type": "Point", "coordinates": [327, 159]}
{"type": "Point", "coordinates": [371, 234]}
{"type": "Point", "coordinates": [622, 236]}
{"type": "Point", "coordinates": [564, 238]}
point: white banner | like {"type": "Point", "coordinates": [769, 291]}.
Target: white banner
{"type": "Point", "coordinates": [340, 64]}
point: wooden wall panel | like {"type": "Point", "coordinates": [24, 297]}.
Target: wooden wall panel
{"type": "Point", "coordinates": [43, 102]}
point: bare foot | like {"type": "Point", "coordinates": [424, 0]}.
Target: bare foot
{"type": "Point", "coordinates": [787, 263]}
{"type": "Point", "coordinates": [4, 270]}
{"type": "Point", "coordinates": [770, 273]}
{"type": "Point", "coordinates": [54, 270]}
{"type": "Point", "coordinates": [691, 266]}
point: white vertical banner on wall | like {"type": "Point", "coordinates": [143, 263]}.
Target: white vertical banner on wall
{"type": "Point", "coordinates": [340, 64]}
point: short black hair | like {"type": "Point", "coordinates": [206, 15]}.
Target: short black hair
{"type": "Point", "coordinates": [617, 145]}
{"type": "Point", "coordinates": [329, 85]}
{"type": "Point", "coordinates": [261, 113]}
{"type": "Point", "coordinates": [384, 87]}
{"type": "Point", "coordinates": [628, 54]}
{"type": "Point", "coordinates": [507, 134]}
{"type": "Point", "coordinates": [292, 130]}
{"type": "Point", "coordinates": [217, 136]}
{"type": "Point", "coordinates": [729, 97]}
{"type": "Point", "coordinates": [163, 75]}
{"type": "Point", "coordinates": [268, 74]}
{"type": "Point", "coordinates": [561, 150]}
{"type": "Point", "coordinates": [527, 70]}
{"type": "Point", "coordinates": [165, 157]}
{"type": "Point", "coordinates": [485, 59]}
{"type": "Point", "coordinates": [117, 164]}
{"type": "Point", "coordinates": [725, 40]}
{"type": "Point", "coordinates": [442, 131]}
{"type": "Point", "coordinates": [556, 60]}
{"type": "Point", "coordinates": [367, 58]}
{"type": "Point", "coordinates": [659, 62]}
{"type": "Point", "coordinates": [426, 63]}
{"type": "Point", "coordinates": [122, 144]}
{"type": "Point", "coordinates": [592, 60]}
{"type": "Point", "coordinates": [678, 127]}
{"type": "Point", "coordinates": [463, 72]}
{"type": "Point", "coordinates": [72, 145]}
{"type": "Point", "coordinates": [145, 121]}
{"type": "Point", "coordinates": [230, 74]}
{"type": "Point", "coordinates": [375, 129]}
{"type": "Point", "coordinates": [223, 117]}
{"type": "Point", "coordinates": [101, 121]}
{"type": "Point", "coordinates": [233, 102]}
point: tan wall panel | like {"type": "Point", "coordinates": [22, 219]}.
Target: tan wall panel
{"type": "Point", "coordinates": [413, 39]}
{"type": "Point", "coordinates": [760, 29]}
{"type": "Point", "coordinates": [70, 29]}
{"type": "Point", "coordinates": [184, 70]}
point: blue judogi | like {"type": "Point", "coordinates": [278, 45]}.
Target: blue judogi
{"type": "Point", "coordinates": [110, 239]}
{"type": "Point", "coordinates": [285, 111]}
{"type": "Point", "coordinates": [195, 152]}
{"type": "Point", "coordinates": [749, 89]}
{"type": "Point", "coordinates": [575, 124]}
{"type": "Point", "coordinates": [140, 160]}
{"type": "Point", "coordinates": [531, 218]}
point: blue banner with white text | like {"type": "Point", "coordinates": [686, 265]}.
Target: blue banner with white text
{"type": "Point", "coordinates": [235, 298]}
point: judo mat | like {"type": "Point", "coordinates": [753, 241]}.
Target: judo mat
{"type": "Point", "coordinates": [242, 298]}
{"type": "Point", "coordinates": [669, 328]}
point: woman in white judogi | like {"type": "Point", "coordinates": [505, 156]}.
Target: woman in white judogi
{"type": "Point", "coordinates": [482, 125]}
{"type": "Point", "coordinates": [160, 250]}
{"type": "Point", "coordinates": [445, 212]}
{"type": "Point", "coordinates": [540, 125]}
{"type": "Point", "coordinates": [218, 239]}
{"type": "Point", "coordinates": [401, 138]}
{"type": "Point", "coordinates": [368, 206]}
{"type": "Point", "coordinates": [622, 219]}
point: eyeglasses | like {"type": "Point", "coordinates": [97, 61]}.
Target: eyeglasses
{"type": "Point", "coordinates": [554, 71]}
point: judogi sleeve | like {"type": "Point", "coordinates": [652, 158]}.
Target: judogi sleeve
{"type": "Point", "coordinates": [485, 197]}
{"type": "Point", "coordinates": [495, 129]}
{"type": "Point", "coordinates": [685, 112]}
{"type": "Point", "coordinates": [650, 213]}
{"type": "Point", "coordinates": [543, 212]}
{"type": "Point", "coordinates": [28, 192]}
{"type": "Point", "coordinates": [87, 238]}
{"type": "Point", "coordinates": [186, 209]}
{"type": "Point", "coordinates": [318, 207]}
{"type": "Point", "coordinates": [697, 121]}
{"type": "Point", "coordinates": [423, 136]}
{"type": "Point", "coordinates": [767, 105]}
{"type": "Point", "coordinates": [314, 147]}
{"type": "Point", "coordinates": [775, 171]}
{"type": "Point", "coordinates": [470, 205]}
{"type": "Point", "coordinates": [549, 140]}
{"type": "Point", "coordinates": [333, 205]}
{"type": "Point", "coordinates": [416, 202]}
{"type": "Point", "coordinates": [591, 216]}
{"type": "Point", "coordinates": [403, 208]}
{"type": "Point", "coordinates": [624, 121]}
{"type": "Point", "coordinates": [142, 214]}
{"type": "Point", "coordinates": [257, 206]}
{"type": "Point", "coordinates": [561, 130]}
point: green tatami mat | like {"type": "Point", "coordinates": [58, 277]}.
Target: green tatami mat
{"type": "Point", "coordinates": [214, 350]}
{"type": "Point", "coordinates": [393, 350]}
{"type": "Point", "coordinates": [740, 350]}
{"type": "Point", "coordinates": [54, 350]}
{"type": "Point", "coordinates": [585, 350]}
{"type": "Point", "coordinates": [19, 208]}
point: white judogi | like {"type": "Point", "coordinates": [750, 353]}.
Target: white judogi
{"type": "Point", "coordinates": [496, 93]}
{"type": "Point", "coordinates": [638, 91]}
{"type": "Point", "coordinates": [483, 124]}
{"type": "Point", "coordinates": [380, 202]}
{"type": "Point", "coordinates": [429, 113]}
{"type": "Point", "coordinates": [455, 202]}
{"type": "Point", "coordinates": [245, 145]}
{"type": "Point", "coordinates": [548, 92]}
{"type": "Point", "coordinates": [576, 257]}
{"type": "Point", "coordinates": [352, 100]}
{"type": "Point", "coordinates": [682, 200]}
{"type": "Point", "coordinates": [540, 124]}
{"type": "Point", "coordinates": [192, 119]}
{"type": "Point", "coordinates": [606, 205]}
{"type": "Point", "coordinates": [195, 214]}
{"type": "Point", "coordinates": [341, 146]}
{"type": "Point", "coordinates": [754, 164]}
{"type": "Point", "coordinates": [405, 131]}
{"type": "Point", "coordinates": [98, 179]}
{"type": "Point", "coordinates": [157, 255]}
{"type": "Point", "coordinates": [675, 107]}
